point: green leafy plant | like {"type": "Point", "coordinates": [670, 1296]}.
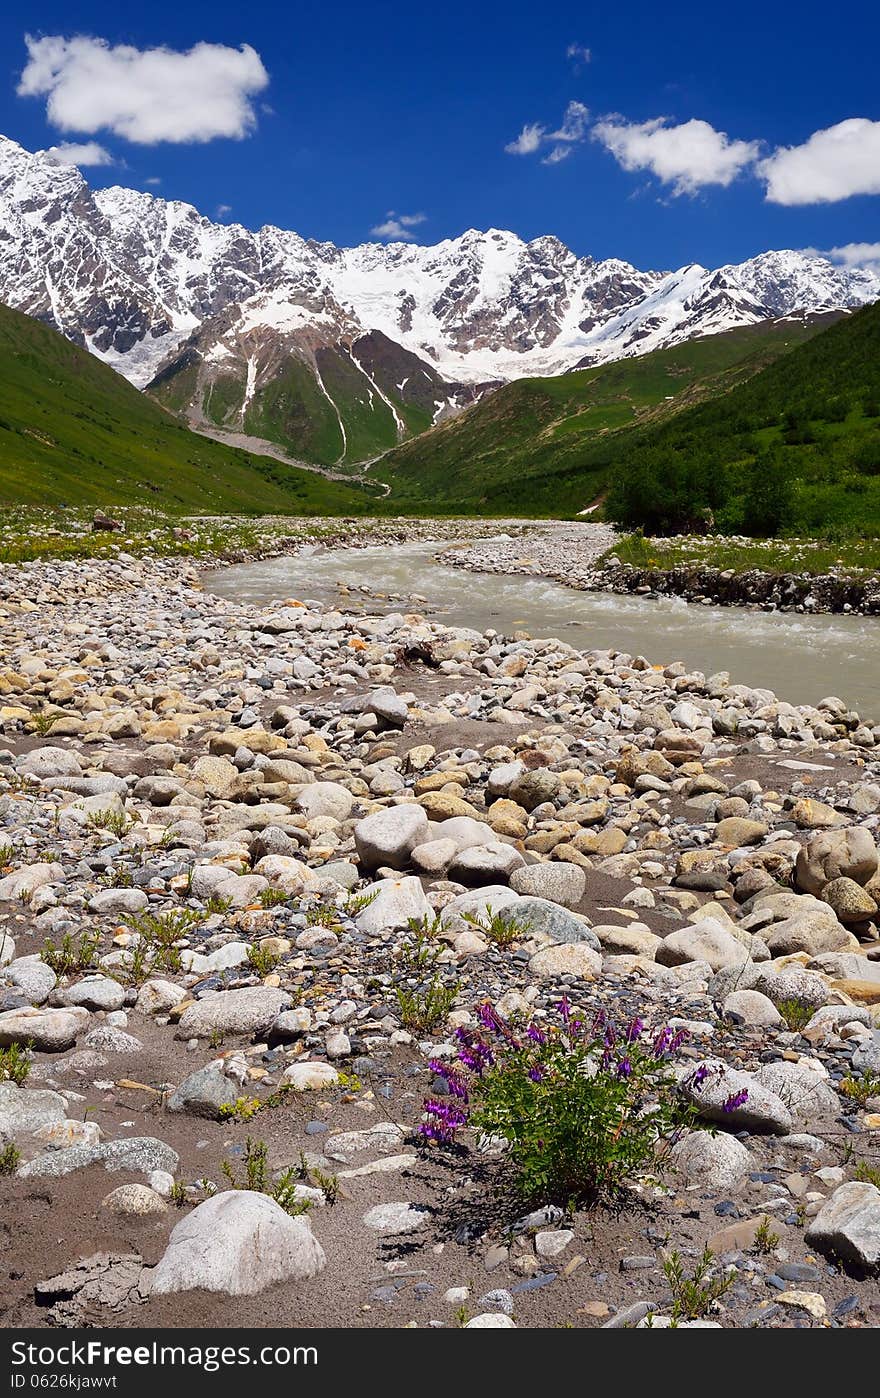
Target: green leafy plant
{"type": "Point", "coordinates": [114, 822]}
{"type": "Point", "coordinates": [242, 1109]}
{"type": "Point", "coordinates": [796, 1014]}
{"type": "Point", "coordinates": [7, 854]}
{"type": "Point", "coordinates": [765, 1239]}
{"type": "Point", "coordinates": [273, 897]}
{"type": "Point", "coordinates": [256, 1177]}
{"type": "Point", "coordinates": [867, 1174]}
{"type": "Point", "coordinates": [178, 1195]}
{"type": "Point", "coordinates": [43, 722]}
{"type": "Point", "coordinates": [263, 959]}
{"type": "Point", "coordinates": [216, 904]}
{"type": "Point", "coordinates": [357, 903]}
{"type": "Point", "coordinates": [583, 1107]}
{"type": "Point", "coordinates": [321, 915]}
{"type": "Point", "coordinates": [418, 953]}
{"type": "Point", "coordinates": [10, 1159]}
{"type": "Point", "coordinates": [69, 956]}
{"type": "Point", "coordinates": [497, 927]}
{"type": "Point", "coordinates": [116, 878]}
{"type": "Point", "coordinates": [861, 1089]}
{"type": "Point", "coordinates": [423, 1008]}
{"type": "Point", "coordinates": [694, 1296]}
{"type": "Point", "coordinates": [15, 1063]}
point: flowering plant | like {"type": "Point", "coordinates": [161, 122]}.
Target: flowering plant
{"type": "Point", "coordinates": [581, 1104]}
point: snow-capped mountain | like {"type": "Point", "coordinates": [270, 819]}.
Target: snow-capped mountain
{"type": "Point", "coordinates": [269, 333]}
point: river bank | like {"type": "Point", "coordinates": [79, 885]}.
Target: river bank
{"type": "Point", "coordinates": [242, 843]}
{"type": "Point", "coordinates": [593, 557]}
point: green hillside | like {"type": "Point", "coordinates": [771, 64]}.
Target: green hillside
{"type": "Point", "coordinates": [539, 445]}
{"type": "Point", "coordinates": [796, 449]}
{"type": "Point", "coordinates": [74, 432]}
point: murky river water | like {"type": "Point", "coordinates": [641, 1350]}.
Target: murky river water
{"type": "Point", "coordinates": [801, 658]}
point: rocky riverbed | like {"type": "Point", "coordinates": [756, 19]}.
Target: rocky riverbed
{"type": "Point", "coordinates": [242, 844]}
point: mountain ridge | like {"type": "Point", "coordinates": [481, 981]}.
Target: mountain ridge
{"type": "Point", "coordinates": [313, 346]}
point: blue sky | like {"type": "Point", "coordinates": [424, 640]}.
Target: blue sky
{"type": "Point", "coordinates": [358, 116]}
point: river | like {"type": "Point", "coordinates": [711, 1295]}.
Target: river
{"type": "Point", "coordinates": [802, 658]}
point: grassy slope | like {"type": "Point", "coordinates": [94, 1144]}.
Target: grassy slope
{"type": "Point", "coordinates": [814, 413]}
{"type": "Point", "coordinates": [72, 431]}
{"type": "Point", "coordinates": [528, 447]}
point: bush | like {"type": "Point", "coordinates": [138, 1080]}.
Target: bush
{"type": "Point", "coordinates": [582, 1107]}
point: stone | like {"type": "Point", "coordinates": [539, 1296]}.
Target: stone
{"type": "Point", "coordinates": [157, 997]}
{"type": "Point", "coordinates": [309, 1077]}
{"type": "Point", "coordinates": [50, 1031]}
{"type": "Point", "coordinates": [555, 883]}
{"type": "Point", "coordinates": [540, 918]}
{"type": "Point", "coordinates": [107, 1038]}
{"type": "Point", "coordinates": [553, 1242]}
{"type": "Point", "coordinates": [705, 941]}
{"type": "Point", "coordinates": [387, 838]}
{"type": "Point", "coordinates": [138, 1154]}
{"type": "Point", "coordinates": [849, 901]}
{"type": "Point", "coordinates": [866, 1057]}
{"type": "Point", "coordinates": [249, 1011]}
{"type": "Point", "coordinates": [395, 1218]}
{"type": "Point", "coordinates": [92, 993]}
{"type": "Point", "coordinates": [712, 1092]}
{"type": "Point", "coordinates": [486, 863]}
{"type": "Point", "coordinates": [716, 1162]}
{"type": "Point", "coordinates": [26, 880]}
{"type": "Point", "coordinates": [832, 854]}
{"type": "Point", "coordinates": [50, 762]}
{"type": "Point", "coordinates": [203, 1093]}
{"type": "Point", "coordinates": [134, 1201]}
{"type": "Point", "coordinates": [534, 787]}
{"type": "Point", "coordinates": [567, 959]}
{"type": "Point", "coordinates": [738, 831]}
{"type": "Point", "coordinates": [627, 941]}
{"type": "Point", "coordinates": [751, 1008]}
{"type": "Point", "coordinates": [238, 1242]}
{"type": "Point", "coordinates": [23, 1110]}
{"type": "Point", "coordinates": [325, 799]}
{"type": "Point", "coordinates": [287, 873]}
{"type": "Point", "coordinates": [433, 857]}
{"type": "Point", "coordinates": [386, 1136]}
{"type": "Point", "coordinates": [482, 902]}
{"type": "Point", "coordinates": [848, 1224]}
{"type": "Point", "coordinates": [491, 1320]}
{"type": "Point", "coordinates": [807, 1095]}
{"type": "Point", "coordinates": [32, 976]}
{"type": "Point", "coordinates": [118, 901]}
{"type": "Point", "coordinates": [813, 933]}
{"type": "Point", "coordinates": [396, 902]}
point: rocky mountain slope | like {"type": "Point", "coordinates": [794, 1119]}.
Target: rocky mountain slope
{"type": "Point", "coordinates": [338, 353]}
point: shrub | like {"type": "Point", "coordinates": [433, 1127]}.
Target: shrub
{"type": "Point", "coordinates": [15, 1063]}
{"type": "Point", "coordinates": [694, 1296]}
{"type": "Point", "coordinates": [861, 1089]}
{"type": "Point", "coordinates": [582, 1106]}
{"type": "Point", "coordinates": [423, 1008]}
{"type": "Point", "coordinates": [262, 959]}
{"type": "Point", "coordinates": [10, 1159]}
{"type": "Point", "coordinates": [69, 956]}
{"type": "Point", "coordinates": [256, 1177]}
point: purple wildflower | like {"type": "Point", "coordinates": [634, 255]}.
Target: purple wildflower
{"type": "Point", "coordinates": [736, 1100]}
{"type": "Point", "coordinates": [700, 1075]}
{"type": "Point", "coordinates": [489, 1017]}
{"type": "Point", "coordinates": [536, 1035]}
{"type": "Point", "coordinates": [678, 1040]}
{"type": "Point", "coordinates": [599, 1021]}
{"type": "Point", "coordinates": [610, 1038]}
{"type": "Point", "coordinates": [634, 1029]}
{"type": "Point", "coordinates": [624, 1068]}
{"type": "Point", "coordinates": [662, 1041]}
{"type": "Point", "coordinates": [536, 1074]}
{"type": "Point", "coordinates": [564, 1009]}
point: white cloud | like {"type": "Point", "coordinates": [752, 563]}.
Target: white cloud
{"type": "Point", "coordinates": [686, 156]}
{"type": "Point", "coordinates": [397, 228]}
{"type": "Point", "coordinates": [144, 95]}
{"type": "Point", "coordinates": [153, 180]}
{"type": "Point", "coordinates": [83, 153]}
{"type": "Point", "coordinates": [535, 135]}
{"type": "Point", "coordinates": [578, 54]}
{"type": "Point", "coordinates": [855, 254]}
{"type": "Point", "coordinates": [833, 164]}
{"type": "Point", "coordinates": [528, 141]}
{"type": "Point", "coordinates": [223, 210]}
